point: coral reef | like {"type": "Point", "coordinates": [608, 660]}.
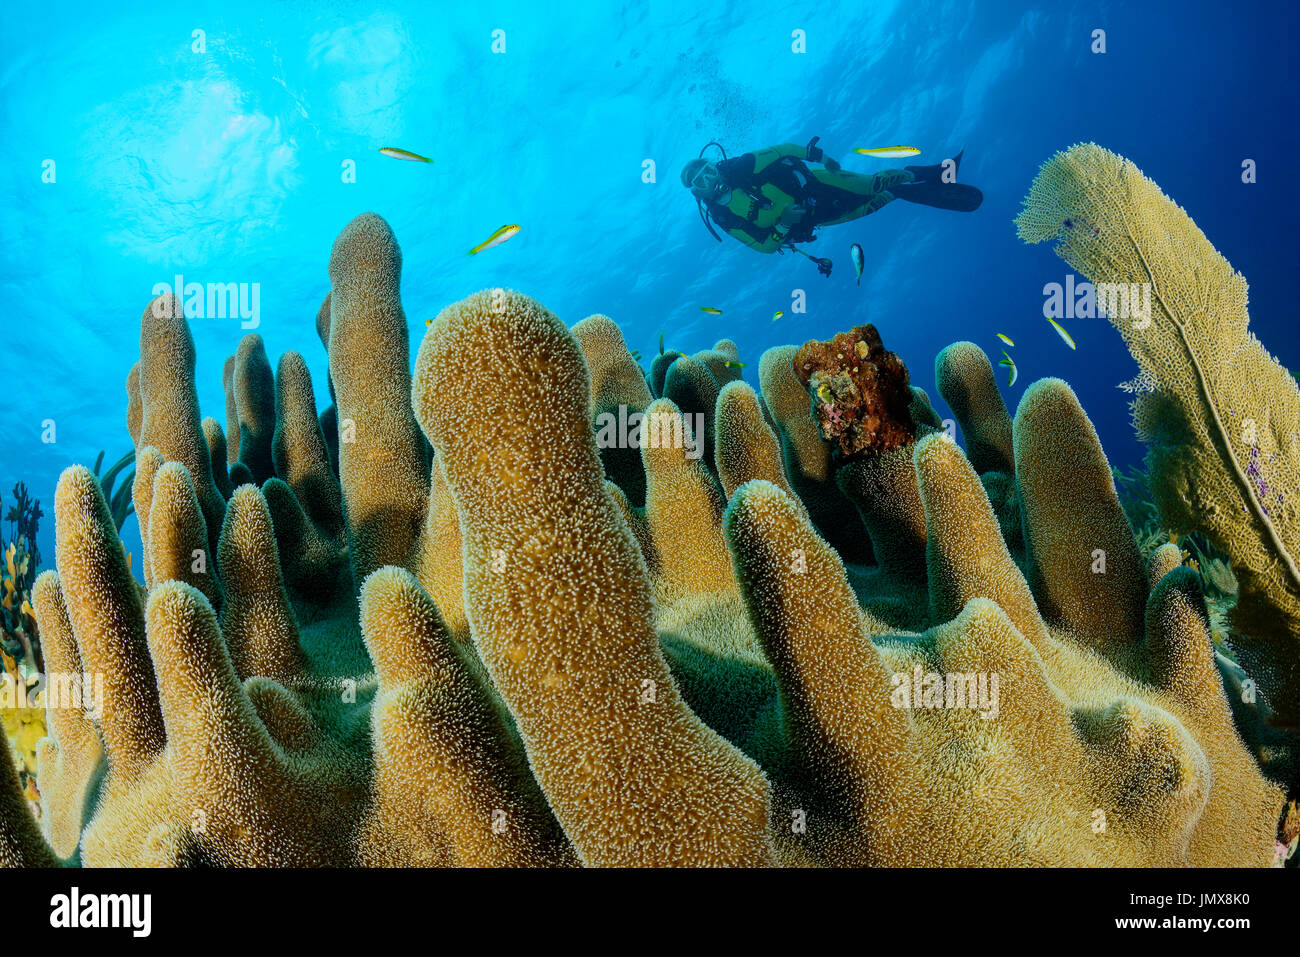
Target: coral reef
{"type": "Point", "coordinates": [1217, 412]}
{"type": "Point", "coordinates": [22, 717]}
{"type": "Point", "coordinates": [21, 844]}
{"type": "Point", "coordinates": [19, 560]}
{"type": "Point", "coordinates": [498, 654]}
{"type": "Point", "coordinates": [1276, 750]}
{"type": "Point", "coordinates": [618, 388]}
{"type": "Point", "coordinates": [21, 660]}
{"type": "Point", "coordinates": [630, 781]}
{"type": "Point", "coordinates": [808, 458]}
{"type": "Point", "coordinates": [1289, 838]}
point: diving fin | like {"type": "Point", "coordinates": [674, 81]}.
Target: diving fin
{"type": "Point", "coordinates": [955, 196]}
{"type": "Point", "coordinates": [934, 174]}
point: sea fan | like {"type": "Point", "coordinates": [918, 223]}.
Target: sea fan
{"type": "Point", "coordinates": [1221, 421]}
{"type": "Point", "coordinates": [1142, 384]}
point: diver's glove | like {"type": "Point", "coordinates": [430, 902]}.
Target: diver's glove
{"type": "Point", "coordinates": [818, 155]}
{"type": "Point", "coordinates": [801, 232]}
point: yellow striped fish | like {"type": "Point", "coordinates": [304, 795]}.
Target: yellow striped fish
{"type": "Point", "coordinates": [400, 154]}
{"type": "Point", "coordinates": [1060, 331]}
{"type": "Point", "coordinates": [1010, 363]}
{"type": "Point", "coordinates": [710, 310]}
{"type": "Point", "coordinates": [888, 152]}
{"type": "Point", "coordinates": [496, 239]}
{"type": "Point", "coordinates": [1006, 339]}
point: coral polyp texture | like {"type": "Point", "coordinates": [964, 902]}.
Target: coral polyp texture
{"type": "Point", "coordinates": [519, 645]}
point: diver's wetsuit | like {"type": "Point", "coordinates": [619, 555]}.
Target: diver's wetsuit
{"type": "Point", "coordinates": [766, 183]}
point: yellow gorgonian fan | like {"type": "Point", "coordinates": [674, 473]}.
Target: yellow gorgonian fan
{"type": "Point", "coordinates": [1222, 419]}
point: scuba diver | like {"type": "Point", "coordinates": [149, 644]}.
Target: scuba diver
{"type": "Point", "coordinates": [770, 199]}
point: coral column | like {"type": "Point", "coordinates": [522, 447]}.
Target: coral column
{"type": "Point", "coordinates": [559, 606]}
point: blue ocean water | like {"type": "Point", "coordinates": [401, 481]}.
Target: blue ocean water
{"type": "Point", "coordinates": [226, 165]}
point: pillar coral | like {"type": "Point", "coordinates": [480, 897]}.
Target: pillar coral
{"type": "Point", "coordinates": [496, 657]}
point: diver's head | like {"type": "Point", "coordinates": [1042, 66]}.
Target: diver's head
{"type": "Point", "coordinates": [703, 179]}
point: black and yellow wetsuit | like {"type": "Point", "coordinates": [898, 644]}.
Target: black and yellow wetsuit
{"type": "Point", "coordinates": [773, 184]}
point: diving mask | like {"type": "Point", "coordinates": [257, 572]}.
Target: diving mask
{"type": "Point", "coordinates": [707, 182]}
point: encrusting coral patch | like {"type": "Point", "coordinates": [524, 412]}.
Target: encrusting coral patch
{"type": "Point", "coordinates": [524, 650]}
{"type": "Point", "coordinates": [860, 392]}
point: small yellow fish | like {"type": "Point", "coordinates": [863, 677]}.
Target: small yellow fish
{"type": "Point", "coordinates": [401, 154]}
{"type": "Point", "coordinates": [428, 322]}
{"type": "Point", "coordinates": [1006, 339]}
{"type": "Point", "coordinates": [710, 310]}
{"type": "Point", "coordinates": [732, 364]}
{"type": "Point", "coordinates": [1010, 363]}
{"type": "Point", "coordinates": [824, 393]}
{"type": "Point", "coordinates": [1060, 331]}
{"type": "Point", "coordinates": [496, 239]}
{"type": "Point", "coordinates": [888, 152]}
{"type": "Point", "coordinates": [777, 315]}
